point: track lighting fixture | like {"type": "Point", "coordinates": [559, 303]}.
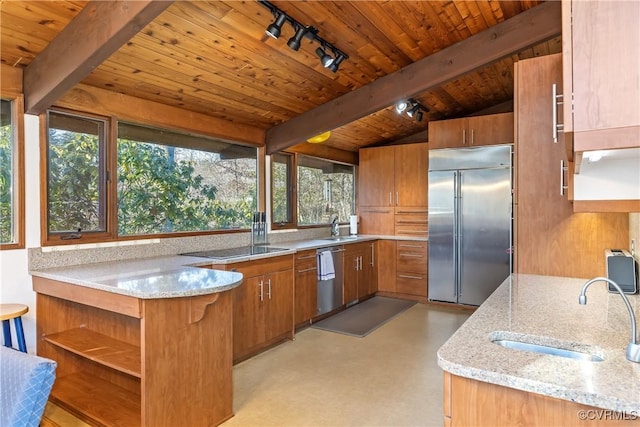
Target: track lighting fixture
{"type": "Point", "coordinates": [412, 107]}
{"type": "Point", "coordinates": [324, 52]}
{"type": "Point", "coordinates": [294, 42]}
{"type": "Point", "coordinates": [274, 29]}
{"type": "Point", "coordinates": [325, 60]}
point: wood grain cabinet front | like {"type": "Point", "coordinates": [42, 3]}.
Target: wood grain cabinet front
{"type": "Point", "coordinates": [360, 274]}
{"type": "Point", "coordinates": [411, 267]}
{"type": "Point", "coordinates": [263, 309]}
{"type": "Point", "coordinates": [306, 287]}
{"type": "Point", "coordinates": [600, 74]}
{"type": "Point", "coordinates": [125, 361]}
{"type": "Point", "coordinates": [471, 131]}
{"type": "Point", "coordinates": [392, 179]}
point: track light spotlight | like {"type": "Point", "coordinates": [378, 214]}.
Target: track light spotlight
{"type": "Point", "coordinates": [275, 28]}
{"type": "Point", "coordinates": [330, 56]}
{"type": "Point", "coordinates": [325, 59]}
{"type": "Point", "coordinates": [294, 42]}
{"type": "Point", "coordinates": [414, 110]}
{"type": "Point", "coordinates": [419, 116]}
{"type": "Point", "coordinates": [336, 62]}
{"type": "Point", "coordinates": [401, 106]}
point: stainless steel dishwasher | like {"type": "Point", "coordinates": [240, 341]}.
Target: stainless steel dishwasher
{"type": "Point", "coordinates": [330, 291]}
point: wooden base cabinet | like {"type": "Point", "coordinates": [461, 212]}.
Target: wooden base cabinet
{"type": "Point", "coordinates": [360, 275]}
{"type": "Point", "coordinates": [124, 361]}
{"type": "Point", "coordinates": [411, 267]}
{"type": "Point", "coordinates": [306, 287]}
{"type": "Point", "coordinates": [262, 305]}
{"type": "Point", "coordinates": [549, 238]}
{"type": "Point", "coordinates": [469, 402]}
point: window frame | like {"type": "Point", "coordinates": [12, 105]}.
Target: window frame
{"type": "Point", "coordinates": [111, 186]}
{"type": "Point", "coordinates": [106, 179]}
{"type": "Point", "coordinates": [18, 176]}
{"type": "Point", "coordinates": [293, 204]}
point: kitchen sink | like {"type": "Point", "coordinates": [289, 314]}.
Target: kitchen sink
{"type": "Point", "coordinates": [339, 238]}
{"type": "Point", "coordinates": [545, 349]}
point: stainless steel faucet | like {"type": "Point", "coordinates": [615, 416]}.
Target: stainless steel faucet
{"type": "Point", "coordinates": [334, 226]}
{"type": "Point", "coordinates": [633, 349]}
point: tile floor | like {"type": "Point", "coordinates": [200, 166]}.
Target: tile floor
{"type": "Point", "coordinates": [388, 378]}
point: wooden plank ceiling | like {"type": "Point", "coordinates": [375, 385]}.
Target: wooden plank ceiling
{"type": "Point", "coordinates": [214, 58]}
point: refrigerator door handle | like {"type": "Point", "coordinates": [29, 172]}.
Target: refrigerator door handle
{"type": "Point", "coordinates": [456, 230]}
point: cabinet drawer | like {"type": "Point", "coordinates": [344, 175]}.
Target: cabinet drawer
{"type": "Point", "coordinates": [258, 267]}
{"type": "Point", "coordinates": [376, 220]}
{"type": "Point", "coordinates": [411, 257]}
{"type": "Point", "coordinates": [411, 222]}
{"type": "Point", "coordinates": [306, 256]}
{"type": "Point", "coordinates": [412, 284]}
{"type": "Point", "coordinates": [306, 267]}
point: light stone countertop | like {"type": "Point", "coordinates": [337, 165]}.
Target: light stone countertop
{"type": "Point", "coordinates": [160, 277]}
{"type": "Point", "coordinates": [545, 310]}
{"type": "Point", "coordinates": [176, 276]}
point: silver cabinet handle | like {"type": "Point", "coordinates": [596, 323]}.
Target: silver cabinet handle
{"type": "Point", "coordinates": [269, 283]}
{"type": "Point", "coordinates": [464, 137]}
{"type": "Point", "coordinates": [361, 263]}
{"type": "Point", "coordinates": [397, 199]}
{"type": "Point", "coordinates": [404, 245]}
{"type": "Point", "coordinates": [261, 285]}
{"type": "Point", "coordinates": [307, 269]}
{"type": "Point", "coordinates": [406, 276]}
{"type": "Point", "coordinates": [563, 168]}
{"type": "Point", "coordinates": [390, 200]}
{"type": "Point", "coordinates": [557, 99]}
{"type": "Point", "coordinates": [307, 256]}
{"type": "Point", "coordinates": [411, 255]}
{"type": "Point", "coordinates": [372, 256]}
{"type": "Point", "coordinates": [376, 210]}
{"type": "Point", "coordinates": [472, 136]}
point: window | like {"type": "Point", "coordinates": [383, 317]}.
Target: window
{"type": "Point", "coordinates": [173, 182]}
{"type": "Point", "coordinates": [324, 189]}
{"type": "Point", "coordinates": [76, 171]}
{"type": "Point", "coordinates": [282, 184]}
{"type": "Point", "coordinates": [11, 175]}
{"type": "Point", "coordinates": [143, 181]}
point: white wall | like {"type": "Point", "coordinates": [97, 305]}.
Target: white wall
{"type": "Point", "coordinates": [15, 282]}
{"type": "Point", "coordinates": [614, 177]}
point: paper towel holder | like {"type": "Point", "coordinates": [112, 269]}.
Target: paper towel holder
{"type": "Point", "coordinates": [353, 225]}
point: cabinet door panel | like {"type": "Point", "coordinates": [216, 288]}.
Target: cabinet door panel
{"type": "Point", "coordinates": [386, 265]}
{"type": "Point", "coordinates": [351, 273]}
{"type": "Point", "coordinates": [305, 292]}
{"type": "Point", "coordinates": [376, 220]}
{"type": "Point", "coordinates": [278, 294]}
{"type": "Point", "coordinates": [490, 130]}
{"type": "Point", "coordinates": [375, 177]}
{"type": "Point", "coordinates": [248, 313]}
{"type": "Point", "coordinates": [448, 133]}
{"type": "Point", "coordinates": [411, 172]}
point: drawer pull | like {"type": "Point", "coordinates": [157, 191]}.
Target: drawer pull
{"type": "Point", "coordinates": [414, 232]}
{"type": "Point", "coordinates": [307, 269]}
{"type": "Point", "coordinates": [376, 210]}
{"type": "Point", "coordinates": [412, 212]}
{"type": "Point", "coordinates": [404, 245]}
{"type": "Point", "coordinates": [307, 256]}
{"type": "Point", "coordinates": [405, 276]}
{"type": "Point", "coordinates": [411, 221]}
{"type": "Point", "coordinates": [412, 256]}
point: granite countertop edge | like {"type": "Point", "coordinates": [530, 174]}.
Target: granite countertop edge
{"type": "Point", "coordinates": [612, 384]}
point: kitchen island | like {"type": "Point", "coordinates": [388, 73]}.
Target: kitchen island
{"type": "Point", "coordinates": [487, 384]}
{"type": "Point", "coordinates": [145, 342]}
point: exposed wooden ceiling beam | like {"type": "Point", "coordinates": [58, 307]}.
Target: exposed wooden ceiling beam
{"type": "Point", "coordinates": [100, 29]}
{"type": "Point", "coordinates": [526, 29]}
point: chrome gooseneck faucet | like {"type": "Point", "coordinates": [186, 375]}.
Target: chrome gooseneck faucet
{"type": "Point", "coordinates": [633, 349]}
{"type": "Point", "coordinates": [334, 226]}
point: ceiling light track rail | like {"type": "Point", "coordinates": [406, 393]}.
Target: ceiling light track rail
{"type": "Point", "coordinates": [301, 31]}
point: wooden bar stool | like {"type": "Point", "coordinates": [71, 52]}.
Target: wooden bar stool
{"type": "Point", "coordinates": [15, 312]}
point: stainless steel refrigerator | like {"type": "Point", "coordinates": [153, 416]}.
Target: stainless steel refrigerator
{"type": "Point", "coordinates": [469, 222]}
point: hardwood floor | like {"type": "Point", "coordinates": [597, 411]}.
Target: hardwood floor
{"type": "Point", "coordinates": [388, 378]}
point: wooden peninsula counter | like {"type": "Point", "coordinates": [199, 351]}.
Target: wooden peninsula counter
{"type": "Point", "coordinates": [146, 342]}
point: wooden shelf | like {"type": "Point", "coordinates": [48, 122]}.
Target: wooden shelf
{"type": "Point", "coordinates": [97, 401]}
{"type": "Point", "coordinates": [99, 348]}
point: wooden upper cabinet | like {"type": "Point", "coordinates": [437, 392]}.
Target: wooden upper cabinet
{"type": "Point", "coordinates": [411, 173]}
{"type": "Point", "coordinates": [393, 176]}
{"type": "Point", "coordinates": [600, 69]}
{"type": "Point", "coordinates": [376, 176]}
{"type": "Point", "coordinates": [471, 131]}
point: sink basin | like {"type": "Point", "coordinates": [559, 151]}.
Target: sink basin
{"type": "Point", "coordinates": [544, 349]}
{"type": "Point", "coordinates": [340, 238]}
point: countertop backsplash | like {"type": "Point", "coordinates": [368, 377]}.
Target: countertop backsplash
{"type": "Point", "coordinates": [168, 246]}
